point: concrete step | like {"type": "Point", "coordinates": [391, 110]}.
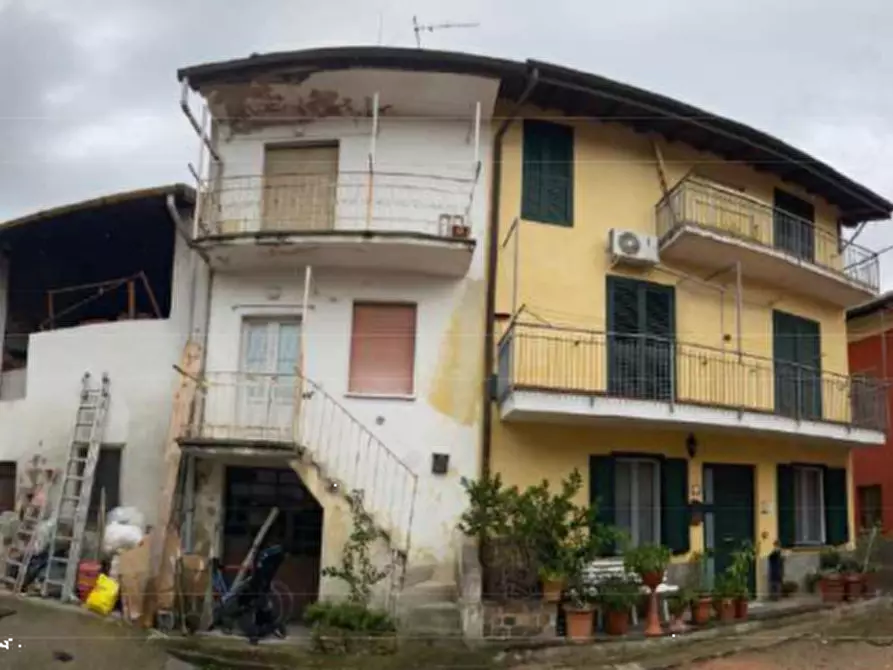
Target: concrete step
{"type": "Point", "coordinates": [435, 620]}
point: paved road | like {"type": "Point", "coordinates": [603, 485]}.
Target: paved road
{"type": "Point", "coordinates": [42, 636]}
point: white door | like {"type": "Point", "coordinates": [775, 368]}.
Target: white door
{"type": "Point", "coordinates": [269, 387]}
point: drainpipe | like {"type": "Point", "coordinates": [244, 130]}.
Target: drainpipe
{"type": "Point", "coordinates": [492, 262]}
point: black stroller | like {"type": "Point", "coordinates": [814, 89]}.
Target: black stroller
{"type": "Point", "coordinates": [250, 604]}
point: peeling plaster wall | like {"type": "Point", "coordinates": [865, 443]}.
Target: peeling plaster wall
{"type": "Point", "coordinates": [138, 356]}
{"type": "Point", "coordinates": [443, 417]}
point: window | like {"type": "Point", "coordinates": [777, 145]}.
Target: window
{"type": "Point", "coordinates": [547, 192]}
{"type": "Point", "coordinates": [794, 225]}
{"type": "Point", "coordinates": [7, 486]}
{"type": "Point", "coordinates": [809, 506]}
{"type": "Point", "coordinates": [637, 500]}
{"type": "Point", "coordinates": [870, 506]}
{"type": "Point", "coordinates": [108, 477]}
{"type": "Point", "coordinates": [797, 353]}
{"type": "Point", "coordinates": [382, 349]}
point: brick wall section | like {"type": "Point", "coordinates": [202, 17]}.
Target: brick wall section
{"type": "Point", "coordinates": [520, 619]}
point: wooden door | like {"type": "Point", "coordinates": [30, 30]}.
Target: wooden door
{"type": "Point", "coordinates": [299, 188]}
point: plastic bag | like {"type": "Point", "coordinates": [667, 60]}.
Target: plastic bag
{"type": "Point", "coordinates": [104, 595]}
{"type": "Point", "coordinates": [119, 537]}
{"type": "Point", "coordinates": [129, 516]}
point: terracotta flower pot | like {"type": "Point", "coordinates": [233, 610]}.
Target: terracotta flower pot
{"type": "Point", "coordinates": [869, 585]}
{"type": "Point", "coordinates": [740, 608]}
{"type": "Point", "coordinates": [700, 611]}
{"type": "Point", "coordinates": [617, 622]}
{"type": "Point", "coordinates": [578, 623]}
{"type": "Point", "coordinates": [552, 589]}
{"type": "Point", "coordinates": [832, 589]}
{"type": "Point", "coordinates": [725, 609]}
{"type": "Point", "coordinates": [852, 587]}
{"type": "Point", "coordinates": [652, 579]}
{"type": "Point", "coordinates": [460, 230]}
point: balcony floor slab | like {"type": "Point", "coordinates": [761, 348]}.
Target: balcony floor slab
{"type": "Point", "coordinates": [532, 405]}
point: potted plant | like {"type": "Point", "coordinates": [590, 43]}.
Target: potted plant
{"type": "Point", "coordinates": [830, 580]}
{"type": "Point", "coordinates": [724, 594]}
{"type": "Point", "coordinates": [578, 609]}
{"type": "Point", "coordinates": [738, 576]}
{"type": "Point", "coordinates": [852, 579]}
{"type": "Point", "coordinates": [869, 580]}
{"type": "Point", "coordinates": [677, 603]}
{"type": "Point", "coordinates": [696, 587]}
{"type": "Point", "coordinates": [617, 596]}
{"type": "Point", "coordinates": [553, 580]}
{"type": "Point", "coordinates": [649, 561]}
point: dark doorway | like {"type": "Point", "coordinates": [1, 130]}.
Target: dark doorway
{"type": "Point", "coordinates": [7, 486]}
{"type": "Point", "coordinates": [729, 515]}
{"type": "Point", "coordinates": [250, 494]}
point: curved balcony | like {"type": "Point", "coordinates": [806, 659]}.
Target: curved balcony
{"type": "Point", "coordinates": [550, 373]}
{"type": "Point", "coordinates": [714, 227]}
{"type": "Point", "coordinates": [383, 220]}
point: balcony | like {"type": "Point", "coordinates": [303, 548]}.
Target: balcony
{"type": "Point", "coordinates": [715, 227]}
{"type": "Point", "coordinates": [402, 222]}
{"type": "Point", "coordinates": [550, 373]}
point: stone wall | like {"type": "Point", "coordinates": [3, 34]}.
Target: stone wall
{"type": "Point", "coordinates": [520, 619]}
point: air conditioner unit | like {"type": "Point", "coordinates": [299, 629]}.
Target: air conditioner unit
{"type": "Point", "coordinates": [632, 248]}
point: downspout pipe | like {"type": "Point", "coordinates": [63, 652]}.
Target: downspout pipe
{"type": "Point", "coordinates": [492, 266]}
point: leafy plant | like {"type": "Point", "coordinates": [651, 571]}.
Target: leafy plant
{"type": "Point", "coordinates": [725, 588]}
{"type": "Point", "coordinates": [646, 558]}
{"type": "Point", "coordinates": [696, 576]}
{"type": "Point", "coordinates": [678, 602]}
{"type": "Point", "coordinates": [850, 566]}
{"type": "Point", "coordinates": [356, 568]}
{"type": "Point", "coordinates": [349, 616]}
{"type": "Point", "coordinates": [618, 594]}
{"type": "Point", "coordinates": [829, 561]}
{"type": "Point", "coordinates": [738, 572]}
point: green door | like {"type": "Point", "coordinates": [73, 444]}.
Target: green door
{"type": "Point", "coordinates": [729, 515]}
{"type": "Point", "coordinates": [797, 355]}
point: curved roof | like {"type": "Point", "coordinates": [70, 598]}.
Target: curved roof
{"type": "Point", "coordinates": [583, 94]}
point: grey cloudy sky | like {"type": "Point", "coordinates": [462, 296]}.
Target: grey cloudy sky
{"type": "Point", "coordinates": [89, 93]}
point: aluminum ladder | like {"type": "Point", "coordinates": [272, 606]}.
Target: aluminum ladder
{"type": "Point", "coordinates": [33, 513]}
{"type": "Point", "coordinates": [73, 501]}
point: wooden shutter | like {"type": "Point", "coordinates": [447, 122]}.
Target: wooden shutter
{"type": "Point", "coordinates": [601, 493]}
{"type": "Point", "coordinates": [674, 524]}
{"type": "Point", "coordinates": [548, 173]}
{"type": "Point", "coordinates": [299, 188]}
{"type": "Point", "coordinates": [836, 507]}
{"type": "Point", "coordinates": [382, 349]}
{"type": "Point", "coordinates": [784, 476]}
{"type": "Point", "coordinates": [797, 354]}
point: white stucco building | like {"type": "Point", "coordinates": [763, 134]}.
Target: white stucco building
{"type": "Point", "coordinates": [343, 213]}
{"type": "Point", "coordinates": [105, 286]}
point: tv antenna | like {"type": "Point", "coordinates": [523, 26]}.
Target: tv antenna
{"type": "Point", "coordinates": [419, 28]}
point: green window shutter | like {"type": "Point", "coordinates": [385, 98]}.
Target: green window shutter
{"type": "Point", "coordinates": [624, 313]}
{"type": "Point", "coordinates": [836, 509]}
{"type": "Point", "coordinates": [785, 503]}
{"type": "Point", "coordinates": [601, 492]}
{"type": "Point", "coordinates": [548, 173]}
{"type": "Point", "coordinates": [674, 521]}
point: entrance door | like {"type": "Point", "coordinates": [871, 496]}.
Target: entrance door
{"type": "Point", "coordinates": [250, 494]}
{"type": "Point", "coordinates": [300, 184]}
{"type": "Point", "coordinates": [268, 384]}
{"type": "Point", "coordinates": [729, 515]}
{"type": "Point", "coordinates": [641, 331]}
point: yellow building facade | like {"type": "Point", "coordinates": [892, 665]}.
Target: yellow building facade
{"type": "Point", "coordinates": [671, 323]}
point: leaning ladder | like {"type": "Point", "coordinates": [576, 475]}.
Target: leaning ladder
{"type": "Point", "coordinates": [73, 501]}
{"type": "Point", "coordinates": [33, 512]}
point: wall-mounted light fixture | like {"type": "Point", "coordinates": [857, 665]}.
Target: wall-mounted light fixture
{"type": "Point", "coordinates": [691, 445]}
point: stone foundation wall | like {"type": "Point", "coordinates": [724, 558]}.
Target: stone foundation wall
{"type": "Point", "coordinates": [520, 619]}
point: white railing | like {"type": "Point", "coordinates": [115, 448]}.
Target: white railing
{"type": "Point", "coordinates": [298, 414]}
{"type": "Point", "coordinates": [386, 202]}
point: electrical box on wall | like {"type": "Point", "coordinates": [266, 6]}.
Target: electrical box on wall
{"type": "Point", "coordinates": [440, 463]}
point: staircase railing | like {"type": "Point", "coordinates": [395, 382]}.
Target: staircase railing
{"type": "Point", "coordinates": [291, 409]}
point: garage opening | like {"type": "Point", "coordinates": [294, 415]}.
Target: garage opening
{"type": "Point", "coordinates": [250, 494]}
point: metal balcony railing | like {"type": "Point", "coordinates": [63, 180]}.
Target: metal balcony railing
{"type": "Point", "coordinates": [573, 360]}
{"type": "Point", "coordinates": [297, 413]}
{"type": "Point", "coordinates": [387, 202]}
{"type": "Point", "coordinates": [694, 202]}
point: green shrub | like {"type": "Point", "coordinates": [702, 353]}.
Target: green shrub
{"type": "Point", "coordinates": [349, 616]}
{"type": "Point", "coordinates": [618, 594]}
{"type": "Point", "coordinates": [646, 558]}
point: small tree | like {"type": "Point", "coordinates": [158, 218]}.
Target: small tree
{"type": "Point", "coordinates": [356, 568]}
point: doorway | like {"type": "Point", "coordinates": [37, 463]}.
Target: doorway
{"type": "Point", "coordinates": [250, 493]}
{"type": "Point", "coordinates": [268, 390]}
{"type": "Point", "coordinates": [729, 516]}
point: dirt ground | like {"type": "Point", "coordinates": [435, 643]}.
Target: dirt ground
{"type": "Point", "coordinates": [42, 636]}
{"type": "Point", "coordinates": [864, 643]}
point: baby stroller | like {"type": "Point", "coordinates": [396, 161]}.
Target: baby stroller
{"type": "Point", "coordinates": [250, 605]}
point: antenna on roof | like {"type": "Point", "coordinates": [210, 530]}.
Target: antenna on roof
{"type": "Point", "coordinates": [418, 28]}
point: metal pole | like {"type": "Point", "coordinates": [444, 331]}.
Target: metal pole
{"type": "Point", "coordinates": [477, 133]}
{"type": "Point", "coordinates": [184, 105]}
{"type": "Point", "coordinates": [372, 142]}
